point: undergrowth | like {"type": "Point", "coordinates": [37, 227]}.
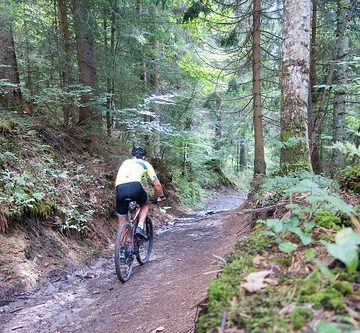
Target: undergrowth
{"type": "Point", "coordinates": [36, 181]}
{"type": "Point", "coordinates": [307, 254]}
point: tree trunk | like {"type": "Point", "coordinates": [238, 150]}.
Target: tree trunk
{"type": "Point", "coordinates": [313, 115]}
{"type": "Point", "coordinates": [237, 166]}
{"type": "Point", "coordinates": [65, 59]}
{"type": "Point", "coordinates": [86, 59]}
{"type": "Point", "coordinates": [295, 86]}
{"type": "Point", "coordinates": [218, 122]}
{"type": "Point", "coordinates": [29, 108]}
{"type": "Point", "coordinates": [143, 75]}
{"type": "Point", "coordinates": [110, 64]}
{"type": "Point", "coordinates": [10, 93]}
{"type": "Point", "coordinates": [340, 79]}
{"type": "Point", "coordinates": [155, 73]}
{"type": "Point", "coordinates": [259, 158]}
{"type": "Point", "coordinates": [242, 157]}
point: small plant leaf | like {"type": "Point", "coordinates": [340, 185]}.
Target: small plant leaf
{"type": "Point", "coordinates": [309, 226]}
{"type": "Point", "coordinates": [287, 247]}
{"type": "Point", "coordinates": [275, 224]}
{"type": "Point", "coordinates": [268, 233]}
{"type": "Point", "coordinates": [347, 236]}
{"type": "Point", "coordinates": [346, 254]}
{"type": "Point", "coordinates": [305, 238]}
{"type": "Point", "coordinates": [324, 327]}
{"type": "Point", "coordinates": [325, 271]}
{"type": "Point", "coordinates": [39, 196]}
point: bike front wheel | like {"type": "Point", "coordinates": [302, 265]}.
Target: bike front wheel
{"type": "Point", "coordinates": [145, 246]}
{"type": "Point", "coordinates": [123, 252]}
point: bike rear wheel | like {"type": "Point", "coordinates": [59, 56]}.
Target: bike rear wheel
{"type": "Point", "coordinates": [124, 257]}
{"type": "Point", "coordinates": [145, 246]}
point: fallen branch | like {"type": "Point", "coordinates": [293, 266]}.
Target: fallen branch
{"type": "Point", "coordinates": [262, 209]}
{"type": "Point", "coordinates": [17, 327]}
{"type": "Point", "coordinates": [327, 231]}
{"type": "Point", "coordinates": [220, 258]}
{"type": "Point", "coordinates": [212, 272]}
{"type": "Point", "coordinates": [201, 303]}
{"type": "Point", "coordinates": [223, 322]}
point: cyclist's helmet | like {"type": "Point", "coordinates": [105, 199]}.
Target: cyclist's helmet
{"type": "Point", "coordinates": [138, 152]}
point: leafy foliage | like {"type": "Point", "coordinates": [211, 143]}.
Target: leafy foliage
{"type": "Point", "coordinates": [194, 11]}
{"type": "Point", "coordinates": [20, 195]}
{"type": "Point", "coordinates": [346, 248]}
{"type": "Point", "coordinates": [35, 184]}
{"type": "Point", "coordinates": [316, 203]}
{"type": "Point", "coordinates": [350, 178]}
{"type": "Point", "coordinates": [75, 220]}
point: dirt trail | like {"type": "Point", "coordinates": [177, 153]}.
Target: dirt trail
{"type": "Point", "coordinates": [163, 293]}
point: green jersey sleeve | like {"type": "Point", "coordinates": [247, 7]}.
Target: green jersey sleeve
{"type": "Point", "coordinates": [150, 172]}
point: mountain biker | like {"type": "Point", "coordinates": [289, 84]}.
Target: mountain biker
{"type": "Point", "coordinates": [128, 185]}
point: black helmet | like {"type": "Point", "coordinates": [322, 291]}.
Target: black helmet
{"type": "Point", "coordinates": [138, 152]}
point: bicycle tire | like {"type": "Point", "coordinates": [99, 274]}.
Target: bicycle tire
{"type": "Point", "coordinates": [124, 257]}
{"type": "Point", "coordinates": [145, 246]}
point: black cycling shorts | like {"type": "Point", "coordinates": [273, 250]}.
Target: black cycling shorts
{"type": "Point", "coordinates": [133, 190]}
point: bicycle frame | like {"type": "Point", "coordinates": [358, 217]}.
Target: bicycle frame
{"type": "Point", "coordinates": [133, 219]}
{"type": "Point", "coordinates": [128, 245]}
{"type": "Point", "coordinates": [132, 216]}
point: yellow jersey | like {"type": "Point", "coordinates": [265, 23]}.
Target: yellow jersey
{"type": "Point", "coordinates": [134, 170]}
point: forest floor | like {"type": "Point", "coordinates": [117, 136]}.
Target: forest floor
{"type": "Point", "coordinates": [162, 296]}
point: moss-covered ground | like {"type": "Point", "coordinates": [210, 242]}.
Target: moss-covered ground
{"type": "Point", "coordinates": [299, 295]}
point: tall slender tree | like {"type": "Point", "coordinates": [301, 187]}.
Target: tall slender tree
{"type": "Point", "coordinates": [340, 78]}
{"type": "Point", "coordinates": [10, 92]}
{"type": "Point", "coordinates": [259, 158]}
{"type": "Point", "coordinates": [295, 86]}
{"type": "Point", "coordinates": [313, 114]}
{"type": "Point", "coordinates": [109, 51]}
{"type": "Point", "coordinates": [65, 56]}
{"type": "Point", "coordinates": [85, 47]}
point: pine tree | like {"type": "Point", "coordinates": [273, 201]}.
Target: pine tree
{"type": "Point", "coordinates": [295, 86]}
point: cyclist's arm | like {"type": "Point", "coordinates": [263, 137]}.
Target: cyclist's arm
{"type": "Point", "coordinates": [158, 189]}
{"type": "Point", "coordinates": [155, 182]}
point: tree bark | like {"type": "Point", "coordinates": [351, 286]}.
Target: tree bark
{"type": "Point", "coordinates": [295, 153]}
{"type": "Point", "coordinates": [242, 157]}
{"type": "Point", "coordinates": [313, 115]}
{"type": "Point", "coordinates": [259, 158]}
{"type": "Point", "coordinates": [340, 79]}
{"type": "Point", "coordinates": [10, 94]}
{"type": "Point", "coordinates": [110, 64]}
{"type": "Point", "coordinates": [86, 59]}
{"type": "Point", "coordinates": [218, 122]}
{"type": "Point", "coordinates": [143, 75]}
{"type": "Point", "coordinates": [65, 58]}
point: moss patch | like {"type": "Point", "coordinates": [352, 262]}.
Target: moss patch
{"type": "Point", "coordinates": [300, 316]}
{"type": "Point", "coordinates": [295, 301]}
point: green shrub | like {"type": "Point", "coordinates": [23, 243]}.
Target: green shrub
{"type": "Point", "coordinates": [327, 219]}
{"type": "Point", "coordinates": [350, 178]}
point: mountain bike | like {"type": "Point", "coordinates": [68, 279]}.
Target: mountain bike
{"type": "Point", "coordinates": [129, 245]}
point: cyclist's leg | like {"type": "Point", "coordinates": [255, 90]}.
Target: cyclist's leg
{"type": "Point", "coordinates": [144, 209]}
{"type": "Point", "coordinates": [142, 200]}
{"type": "Point", "coordinates": [121, 206]}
